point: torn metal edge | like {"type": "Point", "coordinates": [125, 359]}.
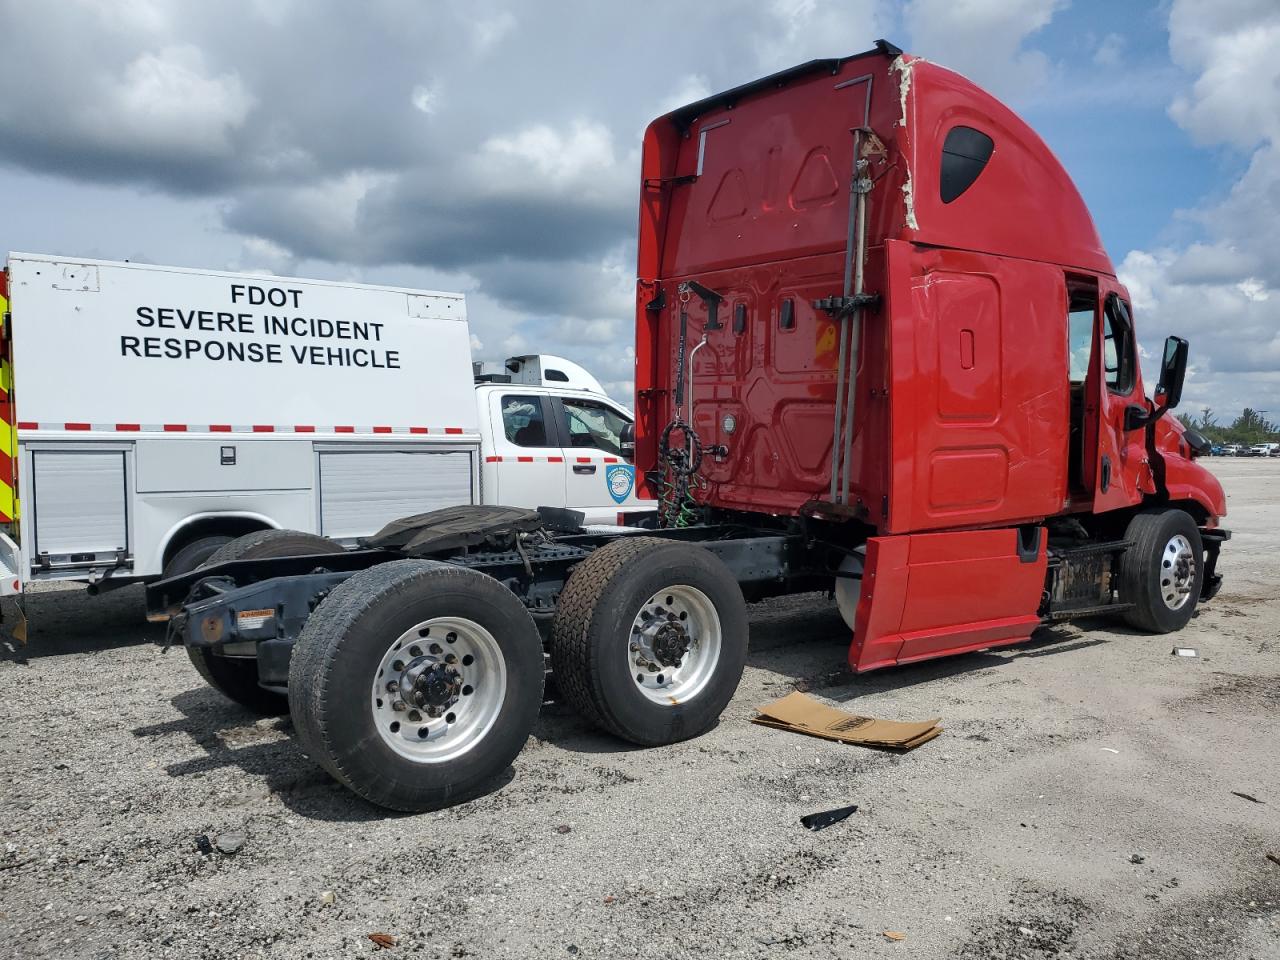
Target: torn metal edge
{"type": "Point", "coordinates": [904, 67]}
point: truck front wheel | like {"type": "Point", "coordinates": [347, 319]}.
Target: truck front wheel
{"type": "Point", "coordinates": [650, 639]}
{"type": "Point", "coordinates": [414, 683]}
{"type": "Point", "coordinates": [1162, 572]}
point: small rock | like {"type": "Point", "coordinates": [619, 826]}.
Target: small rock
{"type": "Point", "coordinates": [565, 828]}
{"type": "Point", "coordinates": [82, 919]}
{"type": "Point", "coordinates": [327, 898]}
{"type": "Point", "coordinates": [1136, 858]}
{"type": "Point", "coordinates": [230, 843]}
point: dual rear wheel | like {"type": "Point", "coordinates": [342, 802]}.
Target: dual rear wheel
{"type": "Point", "coordinates": [415, 683]}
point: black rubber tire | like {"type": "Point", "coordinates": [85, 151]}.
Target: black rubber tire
{"type": "Point", "coordinates": [345, 639]}
{"type": "Point", "coordinates": [193, 556]}
{"type": "Point", "coordinates": [1140, 570]}
{"type": "Point", "coordinates": [268, 544]}
{"type": "Point", "coordinates": [237, 677]}
{"type": "Point", "coordinates": [592, 630]}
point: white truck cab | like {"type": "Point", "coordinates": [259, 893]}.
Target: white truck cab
{"type": "Point", "coordinates": [548, 446]}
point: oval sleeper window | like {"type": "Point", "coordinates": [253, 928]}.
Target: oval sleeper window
{"type": "Point", "coordinates": [965, 153]}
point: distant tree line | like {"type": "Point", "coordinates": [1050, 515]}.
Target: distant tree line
{"type": "Point", "coordinates": [1249, 428]}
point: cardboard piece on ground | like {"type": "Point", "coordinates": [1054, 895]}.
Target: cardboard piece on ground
{"type": "Point", "coordinates": [803, 714]}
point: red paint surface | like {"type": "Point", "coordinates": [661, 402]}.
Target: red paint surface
{"type": "Point", "coordinates": [932, 594]}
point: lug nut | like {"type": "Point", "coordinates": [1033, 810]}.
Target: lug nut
{"type": "Point", "coordinates": [397, 705]}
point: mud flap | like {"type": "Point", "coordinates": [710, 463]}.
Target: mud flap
{"type": "Point", "coordinates": [933, 594]}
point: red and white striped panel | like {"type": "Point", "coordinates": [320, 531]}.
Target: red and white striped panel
{"type": "Point", "coordinates": [551, 460]}
{"type": "Point", "coordinates": [84, 427]}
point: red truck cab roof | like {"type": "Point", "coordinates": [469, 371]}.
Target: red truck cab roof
{"type": "Point", "coordinates": [770, 163]}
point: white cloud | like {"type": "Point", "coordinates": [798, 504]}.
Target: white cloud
{"type": "Point", "coordinates": [1220, 292]}
{"type": "Point", "coordinates": [799, 30]}
{"type": "Point", "coordinates": [259, 255]}
{"type": "Point", "coordinates": [167, 101]}
{"type": "Point", "coordinates": [577, 161]}
{"type": "Point", "coordinates": [1109, 51]}
{"type": "Point", "coordinates": [689, 89]}
{"type": "Point", "coordinates": [983, 39]}
{"type": "Point", "coordinates": [425, 98]}
{"type": "Point", "coordinates": [550, 155]}
{"type": "Point", "coordinates": [490, 31]}
{"type": "Point", "coordinates": [1233, 49]}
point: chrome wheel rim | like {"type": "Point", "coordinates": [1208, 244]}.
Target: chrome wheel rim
{"type": "Point", "coordinates": [438, 689]}
{"type": "Point", "coordinates": [674, 646]}
{"type": "Point", "coordinates": [1177, 572]}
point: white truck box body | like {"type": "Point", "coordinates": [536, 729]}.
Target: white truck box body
{"type": "Point", "coordinates": [148, 399]}
{"type": "Point", "coordinates": [332, 356]}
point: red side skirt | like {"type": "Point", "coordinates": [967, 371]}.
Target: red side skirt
{"type": "Point", "coordinates": [933, 594]}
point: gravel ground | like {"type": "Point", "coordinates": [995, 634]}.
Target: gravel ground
{"type": "Point", "coordinates": [1079, 805]}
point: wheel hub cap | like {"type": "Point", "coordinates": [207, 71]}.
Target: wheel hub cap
{"type": "Point", "coordinates": [675, 645]}
{"type": "Point", "coordinates": [430, 682]}
{"type": "Point", "coordinates": [438, 689]}
{"type": "Point", "coordinates": [1177, 572]}
{"type": "Point", "coordinates": [664, 640]}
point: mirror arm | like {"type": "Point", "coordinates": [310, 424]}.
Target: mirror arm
{"type": "Point", "coordinates": [1136, 416]}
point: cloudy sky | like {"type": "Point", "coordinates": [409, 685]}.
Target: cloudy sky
{"type": "Point", "coordinates": [491, 147]}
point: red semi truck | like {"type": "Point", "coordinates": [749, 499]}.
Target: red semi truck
{"type": "Point", "coordinates": [880, 351]}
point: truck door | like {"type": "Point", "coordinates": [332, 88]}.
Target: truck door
{"type": "Point", "coordinates": [979, 395]}
{"type": "Point", "coordinates": [526, 454]}
{"type": "Point", "coordinates": [1114, 460]}
{"type": "Point", "coordinates": [979, 408]}
{"type": "Point", "coordinates": [598, 481]}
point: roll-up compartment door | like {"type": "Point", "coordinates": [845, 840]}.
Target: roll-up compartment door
{"type": "Point", "coordinates": [80, 501]}
{"type": "Point", "coordinates": [360, 491]}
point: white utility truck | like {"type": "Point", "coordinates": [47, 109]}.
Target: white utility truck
{"type": "Point", "coordinates": [152, 414]}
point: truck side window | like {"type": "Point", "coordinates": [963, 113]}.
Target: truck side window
{"type": "Point", "coordinates": [965, 153]}
{"type": "Point", "coordinates": [594, 425]}
{"type": "Point", "coordinates": [1117, 346]}
{"type": "Point", "coordinates": [522, 420]}
{"type": "Point", "coordinates": [1079, 339]}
